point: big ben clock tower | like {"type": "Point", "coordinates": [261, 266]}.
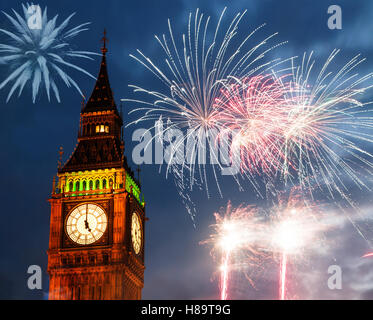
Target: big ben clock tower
{"type": "Point", "coordinates": [96, 242]}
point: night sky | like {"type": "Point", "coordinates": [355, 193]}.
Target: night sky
{"type": "Point", "coordinates": [177, 265]}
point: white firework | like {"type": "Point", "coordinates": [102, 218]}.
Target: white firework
{"type": "Point", "coordinates": [40, 55]}
{"type": "Point", "coordinates": [195, 69]}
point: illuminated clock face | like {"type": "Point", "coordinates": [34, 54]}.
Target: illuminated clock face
{"type": "Point", "coordinates": [136, 233]}
{"type": "Point", "coordinates": [86, 224]}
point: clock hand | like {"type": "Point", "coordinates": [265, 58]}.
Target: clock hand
{"type": "Point", "coordinates": [87, 225]}
{"type": "Point", "coordinates": [86, 219]}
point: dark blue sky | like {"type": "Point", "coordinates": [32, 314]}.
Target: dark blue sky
{"type": "Point", "coordinates": [177, 266]}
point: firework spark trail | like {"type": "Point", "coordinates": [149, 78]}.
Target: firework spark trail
{"type": "Point", "coordinates": [328, 130]}
{"type": "Point", "coordinates": [323, 121]}
{"type": "Point", "coordinates": [297, 228]}
{"type": "Point", "coordinates": [283, 269]}
{"type": "Point", "coordinates": [308, 128]}
{"type": "Point", "coordinates": [295, 224]}
{"type": "Point", "coordinates": [193, 75]}
{"type": "Point", "coordinates": [238, 235]}
{"type": "Point", "coordinates": [327, 127]}
{"type": "Point", "coordinates": [40, 55]}
{"type": "Point", "coordinates": [253, 109]}
{"type": "Point", "coordinates": [368, 255]}
{"type": "Point", "coordinates": [249, 239]}
{"type": "Point", "coordinates": [311, 134]}
{"type": "Point", "coordinates": [224, 276]}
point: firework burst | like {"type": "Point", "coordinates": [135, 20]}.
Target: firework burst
{"type": "Point", "coordinates": [253, 109]}
{"type": "Point", "coordinates": [238, 236]}
{"type": "Point", "coordinates": [195, 71]}
{"type": "Point", "coordinates": [295, 228]}
{"type": "Point", "coordinates": [251, 240]}
{"type": "Point", "coordinates": [328, 127]}
{"type": "Point", "coordinates": [310, 129]}
{"type": "Point", "coordinates": [40, 55]}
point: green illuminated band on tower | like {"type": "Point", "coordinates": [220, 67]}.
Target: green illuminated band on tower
{"type": "Point", "coordinates": [135, 188]}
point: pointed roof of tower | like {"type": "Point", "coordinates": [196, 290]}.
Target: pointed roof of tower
{"type": "Point", "coordinates": [101, 98]}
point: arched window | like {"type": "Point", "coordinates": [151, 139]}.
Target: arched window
{"type": "Point", "coordinates": [71, 186]}
{"type": "Point", "coordinates": [84, 185]}
{"type": "Point", "coordinates": [90, 185]}
{"type": "Point", "coordinates": [76, 185]}
{"type": "Point", "coordinates": [97, 184]}
{"type": "Point", "coordinates": [97, 128]}
{"type": "Point", "coordinates": [111, 183]}
{"type": "Point", "coordinates": [104, 184]}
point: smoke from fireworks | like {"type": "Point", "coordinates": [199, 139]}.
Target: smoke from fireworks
{"type": "Point", "coordinates": [309, 129]}
{"type": "Point", "coordinates": [238, 235]}
{"type": "Point", "coordinates": [295, 227]}
{"type": "Point", "coordinates": [253, 238]}
{"type": "Point", "coordinates": [40, 55]}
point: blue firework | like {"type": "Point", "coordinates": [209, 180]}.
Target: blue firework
{"type": "Point", "coordinates": [39, 56]}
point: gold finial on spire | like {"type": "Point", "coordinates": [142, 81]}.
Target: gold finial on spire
{"type": "Point", "coordinates": [104, 40]}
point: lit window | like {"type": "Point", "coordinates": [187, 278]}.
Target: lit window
{"type": "Point", "coordinates": [107, 129]}
{"type": "Point", "coordinates": [97, 129]}
{"type": "Point", "coordinates": [102, 128]}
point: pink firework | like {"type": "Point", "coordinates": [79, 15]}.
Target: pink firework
{"type": "Point", "coordinates": [224, 276]}
{"type": "Point", "coordinates": [368, 255]}
{"type": "Point", "coordinates": [283, 269]}
{"type": "Point", "coordinates": [252, 110]}
{"type": "Point", "coordinates": [238, 234]}
{"type": "Point", "coordinates": [310, 128]}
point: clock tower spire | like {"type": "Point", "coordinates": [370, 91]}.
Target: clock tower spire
{"type": "Point", "coordinates": [96, 242]}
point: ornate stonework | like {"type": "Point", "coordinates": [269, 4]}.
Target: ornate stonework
{"type": "Point", "coordinates": [96, 174]}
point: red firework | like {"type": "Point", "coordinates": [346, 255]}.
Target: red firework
{"type": "Point", "coordinates": [252, 110]}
